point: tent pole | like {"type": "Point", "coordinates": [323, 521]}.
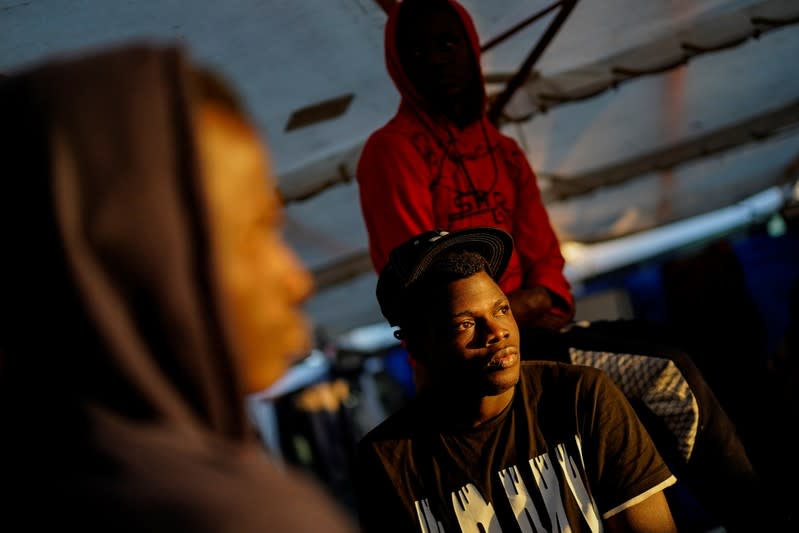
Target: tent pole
{"type": "Point", "coordinates": [518, 79]}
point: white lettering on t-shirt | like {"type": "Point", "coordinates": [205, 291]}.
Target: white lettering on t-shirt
{"type": "Point", "coordinates": [427, 521]}
{"type": "Point", "coordinates": [475, 514]}
{"type": "Point", "coordinates": [575, 482]}
{"type": "Point", "coordinates": [520, 500]}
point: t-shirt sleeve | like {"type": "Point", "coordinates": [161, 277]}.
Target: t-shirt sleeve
{"type": "Point", "coordinates": [394, 193]}
{"type": "Point", "coordinates": [535, 239]}
{"type": "Point", "coordinates": [628, 466]}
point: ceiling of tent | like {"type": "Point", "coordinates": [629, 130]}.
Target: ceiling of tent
{"type": "Point", "coordinates": [636, 115]}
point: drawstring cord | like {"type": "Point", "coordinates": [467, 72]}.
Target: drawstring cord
{"type": "Point", "coordinates": [446, 148]}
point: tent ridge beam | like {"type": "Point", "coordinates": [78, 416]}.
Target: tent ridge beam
{"type": "Point", "coordinates": [775, 122]}
{"type": "Point", "coordinates": [541, 93]}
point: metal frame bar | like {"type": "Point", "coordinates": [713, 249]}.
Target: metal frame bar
{"type": "Point", "coordinates": [518, 79]}
{"type": "Point", "coordinates": [518, 27]}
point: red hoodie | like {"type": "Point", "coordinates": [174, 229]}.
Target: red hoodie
{"type": "Point", "coordinates": [419, 172]}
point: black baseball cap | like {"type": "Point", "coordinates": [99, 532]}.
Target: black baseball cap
{"type": "Point", "coordinates": [411, 259]}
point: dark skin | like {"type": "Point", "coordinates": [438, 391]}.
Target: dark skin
{"type": "Point", "coordinates": [439, 61]}
{"type": "Point", "coordinates": [468, 345]}
{"type": "Point", "coordinates": [531, 305]}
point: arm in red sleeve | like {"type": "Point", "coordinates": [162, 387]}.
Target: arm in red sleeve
{"type": "Point", "coordinates": [395, 198]}
{"type": "Point", "coordinates": [536, 242]}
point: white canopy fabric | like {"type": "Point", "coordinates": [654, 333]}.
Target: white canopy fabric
{"type": "Point", "coordinates": [637, 115]}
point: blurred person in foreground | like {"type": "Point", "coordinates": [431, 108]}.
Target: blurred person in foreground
{"type": "Point", "coordinates": [494, 443]}
{"type": "Point", "coordinates": [145, 291]}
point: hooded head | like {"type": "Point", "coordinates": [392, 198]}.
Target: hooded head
{"type": "Point", "coordinates": [432, 54]}
{"type": "Point", "coordinates": [143, 272]}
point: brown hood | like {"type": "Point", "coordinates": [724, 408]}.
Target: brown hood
{"type": "Point", "coordinates": [105, 282]}
{"type": "Point", "coordinates": [394, 66]}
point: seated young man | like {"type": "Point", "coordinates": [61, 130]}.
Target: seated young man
{"type": "Point", "coordinates": [494, 443]}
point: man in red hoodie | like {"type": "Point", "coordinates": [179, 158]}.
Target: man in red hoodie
{"type": "Point", "coordinates": [440, 163]}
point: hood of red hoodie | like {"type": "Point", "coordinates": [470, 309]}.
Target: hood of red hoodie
{"type": "Point", "coordinates": [394, 66]}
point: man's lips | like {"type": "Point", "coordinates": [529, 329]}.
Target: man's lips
{"type": "Point", "coordinates": [505, 358]}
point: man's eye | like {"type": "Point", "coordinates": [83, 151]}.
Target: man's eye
{"type": "Point", "coordinates": [462, 326]}
{"type": "Point", "coordinates": [503, 310]}
{"type": "Point", "coordinates": [448, 42]}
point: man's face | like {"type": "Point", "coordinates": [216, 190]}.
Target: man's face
{"type": "Point", "coordinates": [471, 340]}
{"type": "Point", "coordinates": [262, 282]}
{"type": "Point", "coordinates": [437, 56]}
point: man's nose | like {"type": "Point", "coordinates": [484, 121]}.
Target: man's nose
{"type": "Point", "coordinates": [439, 56]}
{"type": "Point", "coordinates": [495, 332]}
{"type": "Point", "coordinates": [441, 51]}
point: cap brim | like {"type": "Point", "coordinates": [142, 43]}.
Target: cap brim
{"type": "Point", "coordinates": [494, 244]}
